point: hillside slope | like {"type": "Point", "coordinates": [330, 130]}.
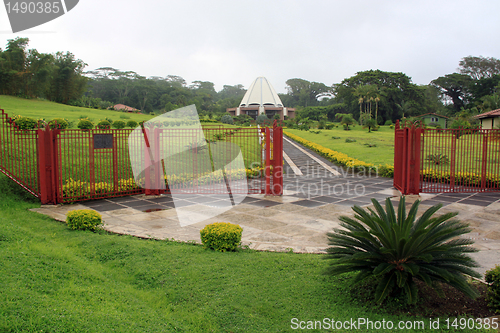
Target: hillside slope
{"type": "Point", "coordinates": [37, 109]}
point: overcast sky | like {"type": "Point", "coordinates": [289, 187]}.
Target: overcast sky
{"type": "Point", "coordinates": [233, 42]}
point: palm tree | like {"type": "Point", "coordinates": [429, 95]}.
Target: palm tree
{"type": "Point", "coordinates": [377, 99]}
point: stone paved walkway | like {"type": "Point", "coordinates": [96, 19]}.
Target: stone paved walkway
{"type": "Point", "coordinates": [300, 219]}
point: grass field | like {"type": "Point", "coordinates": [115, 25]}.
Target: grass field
{"type": "Point", "coordinates": [37, 109]}
{"type": "Point", "coordinates": [57, 280]}
{"type": "Point", "coordinates": [383, 153]}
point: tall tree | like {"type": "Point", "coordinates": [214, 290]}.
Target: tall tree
{"type": "Point", "coordinates": [393, 88]}
{"type": "Point", "coordinates": [455, 86]}
{"type": "Point", "coordinates": [479, 67]}
{"type": "Point", "coordinates": [305, 93]}
{"type": "Point", "coordinates": [68, 82]}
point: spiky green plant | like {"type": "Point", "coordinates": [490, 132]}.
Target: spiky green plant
{"type": "Point", "coordinates": [398, 248]}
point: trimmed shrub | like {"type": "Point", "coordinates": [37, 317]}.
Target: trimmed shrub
{"type": "Point", "coordinates": [227, 119]}
{"type": "Point", "coordinates": [85, 124]}
{"type": "Point", "coordinates": [349, 140]}
{"type": "Point", "coordinates": [119, 124]}
{"type": "Point", "coordinates": [25, 123]}
{"type": "Point", "coordinates": [263, 119]}
{"type": "Point", "coordinates": [104, 124]}
{"type": "Point", "coordinates": [388, 122]}
{"type": "Point", "coordinates": [395, 249]}
{"type": "Point", "coordinates": [83, 219]}
{"type": "Point", "coordinates": [58, 123]}
{"type": "Point", "coordinates": [132, 124]}
{"type": "Point", "coordinates": [221, 236]}
{"type": "Point", "coordinates": [492, 277]}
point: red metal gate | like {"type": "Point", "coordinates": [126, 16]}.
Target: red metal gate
{"type": "Point", "coordinates": [75, 165]}
{"type": "Point", "coordinates": [446, 160]}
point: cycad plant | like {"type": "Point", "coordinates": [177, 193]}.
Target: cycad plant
{"type": "Point", "coordinates": [399, 248]}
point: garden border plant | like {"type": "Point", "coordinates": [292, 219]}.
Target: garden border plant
{"type": "Point", "coordinates": [396, 249]}
{"type": "Point", "coordinates": [383, 170]}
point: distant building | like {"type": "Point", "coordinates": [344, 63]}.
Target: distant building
{"type": "Point", "coordinates": [433, 119]}
{"type": "Point", "coordinates": [122, 107]}
{"type": "Point", "coordinates": [261, 98]}
{"type": "Point", "coordinates": [490, 119]}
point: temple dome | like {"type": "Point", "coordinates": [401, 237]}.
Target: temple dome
{"type": "Point", "coordinates": [261, 93]}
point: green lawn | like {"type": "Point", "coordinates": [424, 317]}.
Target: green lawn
{"type": "Point", "coordinates": [383, 153]}
{"type": "Point", "coordinates": [37, 109]}
{"type": "Point", "coordinates": [57, 280]}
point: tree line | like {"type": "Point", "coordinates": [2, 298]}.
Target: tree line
{"type": "Point", "coordinates": [27, 73]}
{"type": "Point", "coordinates": [372, 94]}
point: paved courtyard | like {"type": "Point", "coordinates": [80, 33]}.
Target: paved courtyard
{"type": "Point", "coordinates": [316, 194]}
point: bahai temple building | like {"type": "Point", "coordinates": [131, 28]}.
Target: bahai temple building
{"type": "Point", "coordinates": [261, 98]}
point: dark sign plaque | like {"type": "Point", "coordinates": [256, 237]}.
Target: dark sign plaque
{"type": "Point", "coordinates": [103, 141]}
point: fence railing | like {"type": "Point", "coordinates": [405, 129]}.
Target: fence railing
{"type": "Point", "coordinates": [446, 160]}
{"type": "Point", "coordinates": [75, 165]}
{"type": "Point", "coordinates": [19, 154]}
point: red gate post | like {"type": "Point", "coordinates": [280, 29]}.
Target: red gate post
{"type": "Point", "coordinates": [277, 159]}
{"type": "Point", "coordinates": [407, 151]}
{"type": "Point", "coordinates": [147, 161]}
{"type": "Point", "coordinates": [47, 166]}
{"type": "Point", "coordinates": [268, 161]}
{"type": "Point", "coordinates": [484, 161]}
{"type": "Point", "coordinates": [414, 159]}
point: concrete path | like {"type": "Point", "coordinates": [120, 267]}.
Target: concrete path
{"type": "Point", "coordinates": [300, 219]}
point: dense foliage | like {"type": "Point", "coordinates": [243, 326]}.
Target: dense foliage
{"type": "Point", "coordinates": [492, 277]}
{"type": "Point", "coordinates": [395, 249]}
{"type": "Point", "coordinates": [27, 73]}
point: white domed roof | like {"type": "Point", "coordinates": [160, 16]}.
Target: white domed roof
{"type": "Point", "coordinates": [261, 93]}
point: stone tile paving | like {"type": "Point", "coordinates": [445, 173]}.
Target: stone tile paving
{"type": "Point", "coordinates": [300, 219]}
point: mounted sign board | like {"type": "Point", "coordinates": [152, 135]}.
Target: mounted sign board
{"type": "Point", "coordinates": [103, 141]}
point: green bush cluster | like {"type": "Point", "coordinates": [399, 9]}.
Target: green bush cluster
{"type": "Point", "coordinates": [132, 124]}
{"type": "Point", "coordinates": [221, 236]}
{"type": "Point", "coordinates": [85, 124]}
{"type": "Point", "coordinates": [104, 124]}
{"type": "Point", "coordinates": [227, 119]}
{"type": "Point", "coordinates": [349, 140]}
{"type": "Point", "coordinates": [119, 124]}
{"type": "Point", "coordinates": [83, 219]}
{"type": "Point", "coordinates": [25, 123]}
{"type": "Point", "coordinates": [492, 277]}
{"type": "Point", "coordinates": [59, 123]}
{"type": "Point", "coordinates": [262, 119]}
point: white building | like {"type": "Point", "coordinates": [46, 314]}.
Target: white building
{"type": "Point", "coordinates": [261, 98]}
